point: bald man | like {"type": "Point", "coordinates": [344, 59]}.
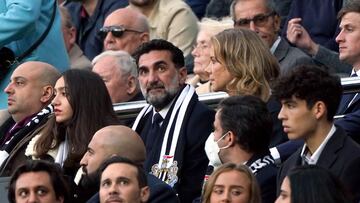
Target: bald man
{"type": "Point", "coordinates": [30, 91]}
{"type": "Point", "coordinates": [125, 29]}
{"type": "Point", "coordinates": [121, 141]}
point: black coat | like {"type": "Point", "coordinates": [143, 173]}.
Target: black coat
{"type": "Point", "coordinates": [189, 154]}
{"type": "Point", "coordinates": [341, 156]}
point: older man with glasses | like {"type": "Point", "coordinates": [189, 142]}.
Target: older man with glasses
{"type": "Point", "coordinates": [124, 29]}
{"type": "Point", "coordinates": [261, 17]}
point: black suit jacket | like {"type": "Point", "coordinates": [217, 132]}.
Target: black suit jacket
{"type": "Point", "coordinates": [189, 153]}
{"type": "Point", "coordinates": [341, 156]}
{"type": "Point", "coordinates": [160, 192]}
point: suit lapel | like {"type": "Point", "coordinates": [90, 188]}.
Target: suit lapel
{"type": "Point", "coordinates": [330, 152]}
{"type": "Point", "coordinates": [281, 50]}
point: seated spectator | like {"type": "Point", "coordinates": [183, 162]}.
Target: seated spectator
{"type": "Point", "coordinates": [241, 64]}
{"type": "Point", "coordinates": [312, 184]}
{"type": "Point", "coordinates": [175, 124]}
{"type": "Point", "coordinates": [124, 142]}
{"type": "Point", "coordinates": [88, 17]}
{"type": "Point", "coordinates": [262, 17]}
{"type": "Point", "coordinates": [309, 98]}
{"type": "Point", "coordinates": [114, 173]}
{"type": "Point", "coordinates": [124, 29]}
{"type": "Point", "coordinates": [232, 183]}
{"type": "Point", "coordinates": [349, 108]}
{"type": "Point", "coordinates": [82, 106]}
{"type": "Point", "coordinates": [299, 36]}
{"type": "Point", "coordinates": [349, 52]}
{"type": "Point", "coordinates": [76, 55]}
{"type": "Point", "coordinates": [38, 181]}
{"type": "Point", "coordinates": [30, 91]}
{"type": "Point", "coordinates": [23, 22]}
{"type": "Point", "coordinates": [119, 73]}
{"type": "Point", "coordinates": [170, 20]}
{"type": "Point", "coordinates": [201, 52]}
{"type": "Point", "coordinates": [318, 18]}
{"type": "Point", "coordinates": [242, 135]}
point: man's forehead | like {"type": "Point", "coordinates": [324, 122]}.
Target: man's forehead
{"type": "Point", "coordinates": [350, 18]}
{"type": "Point", "coordinates": [26, 74]}
{"type": "Point", "coordinates": [248, 9]}
{"type": "Point", "coordinates": [154, 57]}
{"type": "Point", "coordinates": [119, 169]}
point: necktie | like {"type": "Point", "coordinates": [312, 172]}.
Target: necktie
{"type": "Point", "coordinates": [347, 99]}
{"type": "Point", "coordinates": [154, 131]}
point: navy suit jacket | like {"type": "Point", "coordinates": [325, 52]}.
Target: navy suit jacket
{"type": "Point", "coordinates": [160, 192]}
{"type": "Point", "coordinates": [189, 154]}
{"type": "Point", "coordinates": [341, 156]}
{"type": "Point", "coordinates": [351, 120]}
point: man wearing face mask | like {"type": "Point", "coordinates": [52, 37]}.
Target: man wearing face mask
{"type": "Point", "coordinates": [242, 134]}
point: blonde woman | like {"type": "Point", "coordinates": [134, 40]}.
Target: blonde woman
{"type": "Point", "coordinates": [232, 183]}
{"type": "Point", "coordinates": [241, 64]}
{"type": "Point", "coordinates": [201, 52]}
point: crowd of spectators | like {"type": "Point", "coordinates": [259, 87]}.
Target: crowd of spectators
{"type": "Point", "coordinates": [274, 138]}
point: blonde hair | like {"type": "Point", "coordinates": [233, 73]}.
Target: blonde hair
{"type": "Point", "coordinates": [255, 196]}
{"type": "Point", "coordinates": [248, 60]}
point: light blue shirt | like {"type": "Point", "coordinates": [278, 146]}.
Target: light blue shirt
{"type": "Point", "coordinates": [22, 22]}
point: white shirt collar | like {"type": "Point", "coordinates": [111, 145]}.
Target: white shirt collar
{"type": "Point", "coordinates": [163, 112]}
{"type": "Point", "coordinates": [312, 159]}
{"type": "Point", "coordinates": [275, 45]}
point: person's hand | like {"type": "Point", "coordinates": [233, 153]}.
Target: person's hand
{"type": "Point", "coordinates": [297, 35]}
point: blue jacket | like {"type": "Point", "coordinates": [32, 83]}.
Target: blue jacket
{"type": "Point", "coordinates": [22, 23]}
{"type": "Point", "coordinates": [87, 31]}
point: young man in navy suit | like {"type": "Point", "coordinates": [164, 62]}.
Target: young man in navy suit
{"type": "Point", "coordinates": [310, 98]}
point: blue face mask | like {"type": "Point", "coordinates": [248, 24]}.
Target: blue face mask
{"type": "Point", "coordinates": [212, 149]}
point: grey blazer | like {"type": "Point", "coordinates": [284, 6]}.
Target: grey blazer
{"type": "Point", "coordinates": [289, 57]}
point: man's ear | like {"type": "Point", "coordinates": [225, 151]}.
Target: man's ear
{"type": "Point", "coordinates": [145, 194]}
{"type": "Point", "coordinates": [319, 109]}
{"type": "Point", "coordinates": [277, 23]}
{"type": "Point", "coordinates": [131, 85]}
{"type": "Point", "coordinates": [232, 138]}
{"type": "Point", "coordinates": [144, 37]}
{"type": "Point", "coordinates": [47, 95]}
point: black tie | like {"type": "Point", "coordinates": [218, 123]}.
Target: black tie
{"type": "Point", "coordinates": [154, 131]}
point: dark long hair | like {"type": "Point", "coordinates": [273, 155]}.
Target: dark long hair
{"type": "Point", "coordinates": [92, 110]}
{"type": "Point", "coordinates": [313, 184]}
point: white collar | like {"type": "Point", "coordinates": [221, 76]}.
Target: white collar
{"type": "Point", "coordinates": [313, 159]}
{"type": "Point", "coordinates": [275, 45]}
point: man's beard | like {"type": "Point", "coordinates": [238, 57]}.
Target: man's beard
{"type": "Point", "coordinates": [91, 180]}
{"type": "Point", "coordinates": [159, 101]}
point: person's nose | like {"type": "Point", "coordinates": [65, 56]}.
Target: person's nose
{"type": "Point", "coordinates": [252, 26]}
{"type": "Point", "coordinates": [32, 198]}
{"type": "Point", "coordinates": [9, 88]}
{"type": "Point", "coordinates": [340, 37]}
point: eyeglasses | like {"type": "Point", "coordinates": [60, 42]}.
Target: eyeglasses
{"type": "Point", "coordinates": [259, 20]}
{"type": "Point", "coordinates": [116, 31]}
